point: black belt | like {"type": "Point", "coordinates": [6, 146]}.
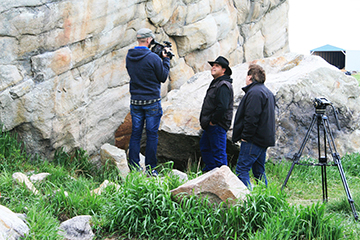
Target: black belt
{"type": "Point", "coordinates": [144, 102]}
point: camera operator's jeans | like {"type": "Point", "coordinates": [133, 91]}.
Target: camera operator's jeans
{"type": "Point", "coordinates": [251, 156]}
{"type": "Point", "coordinates": [213, 147]}
{"type": "Point", "coordinates": [150, 115]}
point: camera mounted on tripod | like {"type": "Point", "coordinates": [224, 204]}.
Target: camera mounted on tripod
{"type": "Point", "coordinates": [320, 104]}
{"type": "Point", "coordinates": [328, 143]}
{"type": "Point", "coordinates": [158, 48]}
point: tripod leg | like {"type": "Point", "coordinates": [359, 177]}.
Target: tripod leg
{"type": "Point", "coordinates": [337, 162]}
{"type": "Point", "coordinates": [324, 183]}
{"type": "Point", "coordinates": [322, 159]}
{"type": "Point", "coordinates": [288, 175]}
{"type": "Point", "coordinates": [297, 155]}
{"type": "Point", "coordinates": [347, 190]}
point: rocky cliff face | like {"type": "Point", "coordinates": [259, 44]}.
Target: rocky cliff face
{"type": "Point", "coordinates": [63, 81]}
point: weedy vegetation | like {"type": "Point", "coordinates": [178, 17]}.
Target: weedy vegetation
{"type": "Point", "coordinates": [357, 76]}
{"type": "Point", "coordinates": [143, 208]}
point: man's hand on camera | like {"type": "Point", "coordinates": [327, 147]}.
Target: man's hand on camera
{"type": "Point", "coordinates": [165, 51]}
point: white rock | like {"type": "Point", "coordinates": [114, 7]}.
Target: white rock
{"type": "Point", "coordinates": [11, 226]}
{"type": "Point", "coordinates": [9, 75]}
{"type": "Point", "coordinates": [116, 156]}
{"type": "Point", "coordinates": [77, 228]}
{"type": "Point", "coordinates": [38, 177]}
{"type": "Point", "coordinates": [23, 179]}
{"type": "Point", "coordinates": [181, 175]}
{"type": "Point", "coordinates": [104, 185]}
{"type": "Point", "coordinates": [219, 185]}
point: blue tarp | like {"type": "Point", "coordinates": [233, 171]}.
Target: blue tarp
{"type": "Point", "coordinates": [328, 48]}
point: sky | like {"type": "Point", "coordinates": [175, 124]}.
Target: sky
{"type": "Point", "coordinates": [315, 23]}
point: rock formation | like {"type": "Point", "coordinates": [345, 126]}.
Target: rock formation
{"type": "Point", "coordinates": [218, 185]}
{"type": "Point", "coordinates": [63, 81]}
{"type": "Point", "coordinates": [295, 80]}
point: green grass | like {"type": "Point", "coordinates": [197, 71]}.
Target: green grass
{"type": "Point", "coordinates": [143, 208]}
{"type": "Point", "coordinates": [357, 76]}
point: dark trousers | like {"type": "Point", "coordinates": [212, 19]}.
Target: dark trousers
{"type": "Point", "coordinates": [253, 157]}
{"type": "Point", "coordinates": [213, 147]}
{"type": "Point", "coordinates": [149, 115]}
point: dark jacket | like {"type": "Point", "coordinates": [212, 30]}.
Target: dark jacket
{"type": "Point", "coordinates": [218, 103]}
{"type": "Point", "coordinates": [255, 116]}
{"type": "Point", "coordinates": [146, 70]}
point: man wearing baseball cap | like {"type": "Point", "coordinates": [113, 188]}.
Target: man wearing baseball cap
{"type": "Point", "coordinates": [147, 71]}
{"type": "Point", "coordinates": [216, 115]}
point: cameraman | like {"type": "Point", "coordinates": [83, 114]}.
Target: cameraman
{"type": "Point", "coordinates": [147, 71]}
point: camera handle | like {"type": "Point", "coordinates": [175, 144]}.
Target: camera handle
{"type": "Point", "coordinates": [322, 121]}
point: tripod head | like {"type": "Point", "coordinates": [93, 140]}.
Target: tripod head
{"type": "Point", "coordinates": [320, 105]}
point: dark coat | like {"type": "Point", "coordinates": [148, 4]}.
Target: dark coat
{"type": "Point", "coordinates": [255, 116]}
{"type": "Point", "coordinates": [147, 71]}
{"type": "Point", "coordinates": [218, 103]}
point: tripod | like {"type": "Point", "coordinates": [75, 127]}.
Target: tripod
{"type": "Point", "coordinates": [322, 122]}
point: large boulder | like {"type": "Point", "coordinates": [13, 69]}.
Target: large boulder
{"type": "Point", "coordinates": [63, 80]}
{"type": "Point", "coordinates": [218, 185]}
{"type": "Point", "coordinates": [295, 80]}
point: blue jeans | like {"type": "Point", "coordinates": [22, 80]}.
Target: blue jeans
{"type": "Point", "coordinates": [213, 147]}
{"type": "Point", "coordinates": [150, 115]}
{"type": "Point", "coordinates": [251, 156]}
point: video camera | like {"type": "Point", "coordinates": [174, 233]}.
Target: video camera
{"type": "Point", "coordinates": [321, 103]}
{"type": "Point", "coordinates": [158, 48]}
{"type": "Point", "coordinates": [320, 108]}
